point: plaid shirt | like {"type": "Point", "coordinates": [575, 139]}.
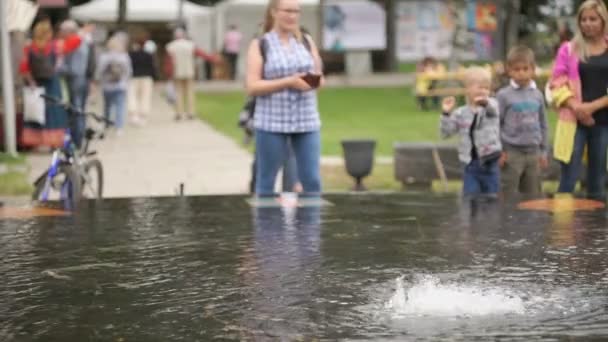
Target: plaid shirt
{"type": "Point", "coordinates": [287, 110]}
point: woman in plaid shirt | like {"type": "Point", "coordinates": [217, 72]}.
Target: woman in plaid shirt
{"type": "Point", "coordinates": [286, 101]}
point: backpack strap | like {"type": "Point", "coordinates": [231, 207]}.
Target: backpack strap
{"type": "Point", "coordinates": [263, 42]}
{"type": "Point", "coordinates": [306, 42]}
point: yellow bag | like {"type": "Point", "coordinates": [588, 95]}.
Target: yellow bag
{"type": "Point", "coordinates": [560, 95]}
{"type": "Point", "coordinates": [563, 142]}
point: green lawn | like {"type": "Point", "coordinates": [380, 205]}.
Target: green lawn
{"type": "Point", "coordinates": [407, 67]}
{"type": "Point", "coordinates": [385, 114]}
{"type": "Point", "coordinates": [14, 182]}
{"type": "Point", "coordinates": [10, 160]}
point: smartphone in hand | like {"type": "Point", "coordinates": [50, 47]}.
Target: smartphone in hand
{"type": "Point", "coordinates": [313, 80]}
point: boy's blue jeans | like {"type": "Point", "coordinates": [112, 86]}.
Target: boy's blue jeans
{"type": "Point", "coordinates": [115, 100]}
{"type": "Point", "coordinates": [271, 150]}
{"type": "Point", "coordinates": [481, 178]}
{"type": "Point", "coordinates": [596, 139]}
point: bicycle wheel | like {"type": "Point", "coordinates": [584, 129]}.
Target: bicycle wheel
{"type": "Point", "coordinates": [92, 179]}
{"type": "Point", "coordinates": [64, 186]}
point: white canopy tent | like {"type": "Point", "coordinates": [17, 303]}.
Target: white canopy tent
{"type": "Point", "coordinates": [137, 10]}
{"type": "Point", "coordinates": [198, 18]}
{"type": "Point", "coordinates": [248, 14]}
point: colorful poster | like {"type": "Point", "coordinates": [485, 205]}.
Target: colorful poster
{"type": "Point", "coordinates": [425, 28]}
{"type": "Point", "coordinates": [353, 25]}
{"type": "Point", "coordinates": [481, 16]}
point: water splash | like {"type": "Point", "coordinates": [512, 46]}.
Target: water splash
{"type": "Point", "coordinates": [429, 297]}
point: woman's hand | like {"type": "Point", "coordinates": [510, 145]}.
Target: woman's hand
{"type": "Point", "coordinates": [584, 113]}
{"type": "Point", "coordinates": [585, 109]}
{"type": "Point", "coordinates": [297, 83]}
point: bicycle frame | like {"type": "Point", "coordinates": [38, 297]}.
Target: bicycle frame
{"type": "Point", "coordinates": [69, 154]}
{"type": "Point", "coordinates": [68, 151]}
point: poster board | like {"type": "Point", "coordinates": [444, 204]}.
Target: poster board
{"type": "Point", "coordinates": [353, 25]}
{"type": "Point", "coordinates": [425, 28]}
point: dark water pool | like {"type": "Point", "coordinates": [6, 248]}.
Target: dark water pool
{"type": "Point", "coordinates": [374, 267]}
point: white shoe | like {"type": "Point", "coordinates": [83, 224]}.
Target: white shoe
{"type": "Point", "coordinates": [119, 132]}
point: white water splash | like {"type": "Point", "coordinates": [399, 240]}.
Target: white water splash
{"type": "Point", "coordinates": [428, 297]}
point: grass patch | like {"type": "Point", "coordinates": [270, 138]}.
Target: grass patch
{"type": "Point", "coordinates": [336, 179]}
{"type": "Point", "coordinates": [221, 111]}
{"type": "Point", "coordinates": [14, 184]}
{"type": "Point", "coordinates": [11, 160]}
{"type": "Point", "coordinates": [387, 115]}
{"type": "Point", "coordinates": [407, 67]}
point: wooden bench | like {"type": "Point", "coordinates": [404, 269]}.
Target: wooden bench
{"type": "Point", "coordinates": [458, 76]}
{"type": "Point", "coordinates": [419, 164]}
{"type": "Point", "coordinates": [447, 84]}
{"type": "Point", "coordinates": [442, 92]}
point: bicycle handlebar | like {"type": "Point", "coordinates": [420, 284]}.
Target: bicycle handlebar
{"type": "Point", "coordinates": [76, 111]}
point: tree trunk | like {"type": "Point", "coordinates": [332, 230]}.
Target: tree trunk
{"type": "Point", "coordinates": [455, 6]}
{"type": "Point", "coordinates": [122, 14]}
{"type": "Point", "coordinates": [512, 8]}
{"type": "Point", "coordinates": [391, 53]}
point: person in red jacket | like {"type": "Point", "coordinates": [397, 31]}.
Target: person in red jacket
{"type": "Point", "coordinates": [39, 67]}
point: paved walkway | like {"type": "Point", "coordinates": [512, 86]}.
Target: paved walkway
{"type": "Point", "coordinates": [153, 160]}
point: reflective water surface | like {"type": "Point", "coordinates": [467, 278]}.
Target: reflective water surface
{"type": "Point", "coordinates": [372, 267]}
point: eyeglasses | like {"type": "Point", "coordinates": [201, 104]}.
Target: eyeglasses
{"type": "Point", "coordinates": [293, 11]}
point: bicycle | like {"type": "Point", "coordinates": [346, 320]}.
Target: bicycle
{"type": "Point", "coordinates": [73, 173]}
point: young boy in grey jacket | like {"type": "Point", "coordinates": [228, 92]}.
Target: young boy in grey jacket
{"type": "Point", "coordinates": [477, 125]}
{"type": "Point", "coordinates": [523, 126]}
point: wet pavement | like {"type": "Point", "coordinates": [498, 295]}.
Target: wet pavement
{"type": "Point", "coordinates": [365, 267]}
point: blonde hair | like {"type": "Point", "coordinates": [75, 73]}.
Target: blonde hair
{"type": "Point", "coordinates": [269, 20]}
{"type": "Point", "coordinates": [42, 33]}
{"type": "Point", "coordinates": [477, 74]}
{"type": "Point", "coordinates": [580, 45]}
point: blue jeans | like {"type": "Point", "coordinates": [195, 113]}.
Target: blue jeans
{"type": "Point", "coordinates": [290, 169]}
{"type": "Point", "coordinates": [271, 151]}
{"type": "Point", "coordinates": [115, 100]}
{"type": "Point", "coordinates": [596, 139]}
{"type": "Point", "coordinates": [481, 178]}
{"type": "Point", "coordinates": [290, 172]}
{"type": "Point", "coordinates": [78, 88]}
